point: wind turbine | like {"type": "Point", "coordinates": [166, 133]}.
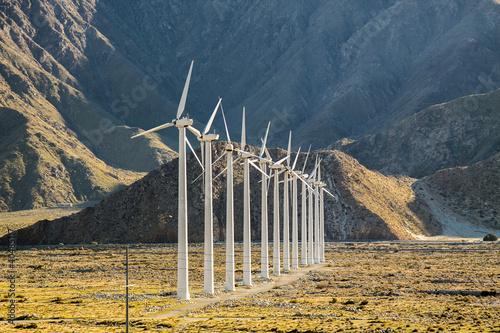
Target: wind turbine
{"type": "Point", "coordinates": [286, 211]}
{"type": "Point", "coordinates": [247, 241]}
{"type": "Point", "coordinates": [264, 260]}
{"type": "Point", "coordinates": [310, 229]}
{"type": "Point", "coordinates": [322, 221]}
{"type": "Point", "coordinates": [303, 238]}
{"type": "Point", "coordinates": [230, 280]}
{"type": "Point", "coordinates": [317, 235]}
{"type": "Point", "coordinates": [206, 145]}
{"type": "Point", "coordinates": [182, 246]}
{"type": "Point", "coordinates": [276, 167]}
{"type": "Point", "coordinates": [295, 226]}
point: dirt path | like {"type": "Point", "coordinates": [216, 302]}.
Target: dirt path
{"type": "Point", "coordinates": [243, 292]}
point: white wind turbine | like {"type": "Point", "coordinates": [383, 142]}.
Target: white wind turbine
{"type": "Point", "coordinates": [295, 228]}
{"type": "Point", "coordinates": [303, 238]}
{"type": "Point", "coordinates": [317, 236]}
{"type": "Point", "coordinates": [264, 260]}
{"type": "Point", "coordinates": [321, 217]}
{"type": "Point", "coordinates": [206, 150]}
{"type": "Point", "coordinates": [310, 230]}
{"type": "Point", "coordinates": [286, 211]}
{"type": "Point", "coordinates": [182, 247]}
{"type": "Point", "coordinates": [230, 280]}
{"type": "Point", "coordinates": [247, 241]}
{"type": "Point", "coordinates": [276, 167]}
{"type": "Point", "coordinates": [295, 225]}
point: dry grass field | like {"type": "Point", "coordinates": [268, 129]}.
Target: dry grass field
{"type": "Point", "coordinates": [363, 287]}
{"type": "Point", "coordinates": [23, 218]}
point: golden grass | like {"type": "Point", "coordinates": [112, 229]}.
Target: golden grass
{"type": "Point", "coordinates": [404, 286]}
{"type": "Point", "coordinates": [23, 218]}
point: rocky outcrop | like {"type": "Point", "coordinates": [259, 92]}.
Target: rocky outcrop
{"type": "Point", "coordinates": [468, 192]}
{"type": "Point", "coordinates": [459, 133]}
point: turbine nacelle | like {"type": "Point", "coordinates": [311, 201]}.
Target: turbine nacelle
{"type": "Point", "coordinates": [209, 137]}
{"type": "Point", "coordinates": [229, 147]}
{"type": "Point", "coordinates": [183, 122]}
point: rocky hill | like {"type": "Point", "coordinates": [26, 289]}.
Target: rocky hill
{"type": "Point", "coordinates": [466, 194]}
{"type": "Point", "coordinates": [94, 71]}
{"type": "Point", "coordinates": [369, 206]}
{"type": "Point", "coordinates": [458, 133]}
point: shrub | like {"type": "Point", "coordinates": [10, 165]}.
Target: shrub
{"type": "Point", "coordinates": [333, 300]}
{"type": "Point", "coordinates": [322, 285]}
{"type": "Point", "coordinates": [490, 238]}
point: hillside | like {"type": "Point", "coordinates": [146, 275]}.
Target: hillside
{"type": "Point", "coordinates": [370, 206]}
{"type": "Point", "coordinates": [458, 133]}
{"type": "Point", "coordinates": [468, 195]}
{"type": "Point", "coordinates": [100, 69]}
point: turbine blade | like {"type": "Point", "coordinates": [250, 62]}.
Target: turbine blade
{"type": "Point", "coordinates": [182, 103]}
{"type": "Point", "coordinates": [243, 134]}
{"type": "Point", "coordinates": [246, 153]}
{"type": "Point", "coordinates": [301, 179]}
{"type": "Point", "coordinates": [281, 161]}
{"type": "Point", "coordinates": [256, 167]}
{"type": "Point", "coordinates": [218, 158]}
{"type": "Point", "coordinates": [194, 131]}
{"type": "Point", "coordinates": [201, 174]}
{"type": "Point", "coordinates": [220, 173]}
{"type": "Point", "coordinates": [307, 156]}
{"type": "Point", "coordinates": [196, 156]}
{"type": "Point", "coordinates": [327, 192]}
{"type": "Point", "coordinates": [209, 124]}
{"type": "Point", "coordinates": [153, 129]}
{"type": "Point", "coordinates": [265, 140]}
{"type": "Point", "coordinates": [268, 155]}
{"type": "Point", "coordinates": [312, 175]}
{"type": "Point", "coordinates": [295, 161]}
{"type": "Point", "coordinates": [289, 148]}
{"type": "Point", "coordinates": [225, 124]}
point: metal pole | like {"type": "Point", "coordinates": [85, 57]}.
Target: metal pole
{"type": "Point", "coordinates": [126, 291]}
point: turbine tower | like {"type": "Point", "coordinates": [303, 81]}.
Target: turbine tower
{"type": "Point", "coordinates": [316, 216]}
{"type": "Point", "coordinates": [264, 260]}
{"type": "Point", "coordinates": [310, 229]}
{"type": "Point", "coordinates": [230, 280]}
{"type": "Point", "coordinates": [182, 245]}
{"type": "Point", "coordinates": [206, 145]}
{"type": "Point", "coordinates": [286, 211]}
{"type": "Point", "coordinates": [276, 167]}
{"type": "Point", "coordinates": [303, 238]}
{"type": "Point", "coordinates": [295, 225]}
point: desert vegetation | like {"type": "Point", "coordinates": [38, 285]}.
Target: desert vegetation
{"type": "Point", "coordinates": [362, 287]}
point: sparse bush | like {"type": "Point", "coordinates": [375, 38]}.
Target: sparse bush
{"type": "Point", "coordinates": [322, 285]}
{"type": "Point", "coordinates": [349, 302]}
{"type": "Point", "coordinates": [490, 238]}
{"type": "Point", "coordinates": [364, 302]}
{"type": "Point", "coordinates": [333, 301]}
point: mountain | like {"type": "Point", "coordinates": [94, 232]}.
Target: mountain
{"type": "Point", "coordinates": [458, 133]}
{"type": "Point", "coordinates": [100, 69]}
{"type": "Point", "coordinates": [369, 205]}
{"type": "Point", "coordinates": [464, 194]}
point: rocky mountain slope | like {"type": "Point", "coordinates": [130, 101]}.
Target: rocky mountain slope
{"type": "Point", "coordinates": [467, 193]}
{"type": "Point", "coordinates": [369, 206]}
{"type": "Point", "coordinates": [458, 133]}
{"type": "Point", "coordinates": [99, 69]}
